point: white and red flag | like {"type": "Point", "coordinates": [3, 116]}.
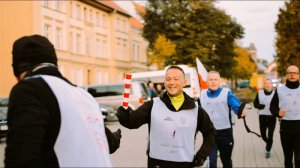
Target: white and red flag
{"type": "Point", "coordinates": [202, 74]}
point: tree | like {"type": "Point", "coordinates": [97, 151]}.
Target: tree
{"type": "Point", "coordinates": [162, 49]}
{"type": "Point", "coordinates": [288, 36]}
{"type": "Point", "coordinates": [245, 66]}
{"type": "Point", "coordinates": [198, 29]}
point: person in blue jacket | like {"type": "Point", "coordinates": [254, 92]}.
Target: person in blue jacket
{"type": "Point", "coordinates": [218, 103]}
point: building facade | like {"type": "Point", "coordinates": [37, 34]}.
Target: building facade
{"type": "Point", "coordinates": [96, 41]}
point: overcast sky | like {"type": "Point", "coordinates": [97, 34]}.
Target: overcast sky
{"type": "Point", "coordinates": [258, 19]}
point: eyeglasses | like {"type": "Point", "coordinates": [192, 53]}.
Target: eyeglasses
{"type": "Point", "coordinates": [292, 73]}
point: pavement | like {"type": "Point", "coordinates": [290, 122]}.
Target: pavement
{"type": "Point", "coordinates": [248, 149]}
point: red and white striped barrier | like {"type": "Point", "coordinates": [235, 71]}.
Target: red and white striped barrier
{"type": "Point", "coordinates": [126, 94]}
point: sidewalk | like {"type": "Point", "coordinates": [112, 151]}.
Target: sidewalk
{"type": "Point", "coordinates": [249, 149]}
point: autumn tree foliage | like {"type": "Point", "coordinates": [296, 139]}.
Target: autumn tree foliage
{"type": "Point", "coordinates": [288, 36]}
{"type": "Point", "coordinates": [245, 66]}
{"type": "Point", "coordinates": [161, 51]}
{"type": "Point", "coordinates": [197, 28]}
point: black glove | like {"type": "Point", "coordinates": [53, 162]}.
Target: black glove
{"type": "Point", "coordinates": [198, 160]}
{"type": "Point", "coordinates": [240, 111]}
{"type": "Point", "coordinates": [117, 134]}
{"type": "Point", "coordinates": [122, 109]}
{"type": "Point", "coordinates": [113, 139]}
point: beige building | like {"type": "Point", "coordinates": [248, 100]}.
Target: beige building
{"type": "Point", "coordinates": [96, 41]}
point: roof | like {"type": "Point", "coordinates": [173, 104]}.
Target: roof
{"type": "Point", "coordinates": [252, 47]}
{"type": "Point", "coordinates": [135, 23]}
{"type": "Point", "coordinates": [111, 4]}
{"type": "Point", "coordinates": [139, 8]}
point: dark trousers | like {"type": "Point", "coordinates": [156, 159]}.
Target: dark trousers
{"type": "Point", "coordinates": [290, 143]}
{"type": "Point", "coordinates": [156, 163]}
{"type": "Point", "coordinates": [267, 124]}
{"type": "Point", "coordinates": [224, 143]}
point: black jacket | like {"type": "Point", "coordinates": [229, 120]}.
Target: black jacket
{"type": "Point", "coordinates": [134, 119]}
{"type": "Point", "coordinates": [288, 126]}
{"type": "Point", "coordinates": [34, 123]}
{"type": "Point", "coordinates": [257, 103]}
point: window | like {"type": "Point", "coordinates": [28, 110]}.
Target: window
{"type": "Point", "coordinates": [121, 49]}
{"type": "Point", "coordinates": [97, 19]}
{"type": "Point", "coordinates": [71, 42]}
{"type": "Point", "coordinates": [78, 12]}
{"type": "Point", "coordinates": [124, 50]}
{"type": "Point", "coordinates": [104, 49]}
{"type": "Point", "coordinates": [118, 48]}
{"type": "Point", "coordinates": [117, 24]}
{"type": "Point", "coordinates": [77, 43]}
{"type": "Point", "coordinates": [47, 31]}
{"type": "Point", "coordinates": [91, 15]}
{"type": "Point", "coordinates": [97, 48]}
{"type": "Point", "coordinates": [58, 37]}
{"type": "Point", "coordinates": [134, 52]}
{"type": "Point", "coordinates": [124, 26]}
{"type": "Point", "coordinates": [138, 53]}
{"type": "Point", "coordinates": [104, 21]}
{"type": "Point", "coordinates": [57, 5]}
{"type": "Point", "coordinates": [88, 44]}
{"type": "Point", "coordinates": [98, 78]}
{"type": "Point", "coordinates": [79, 77]}
{"type": "Point", "coordinates": [85, 15]}
{"type": "Point", "coordinates": [106, 90]}
{"type": "Point", "coordinates": [46, 3]}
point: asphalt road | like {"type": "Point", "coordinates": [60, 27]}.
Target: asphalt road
{"type": "Point", "coordinates": [248, 148]}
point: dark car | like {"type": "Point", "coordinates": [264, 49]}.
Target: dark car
{"type": "Point", "coordinates": [109, 114]}
{"type": "Point", "coordinates": [3, 117]}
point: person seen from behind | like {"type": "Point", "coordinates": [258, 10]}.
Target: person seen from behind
{"type": "Point", "coordinates": [52, 122]}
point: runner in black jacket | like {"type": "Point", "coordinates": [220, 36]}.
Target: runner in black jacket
{"type": "Point", "coordinates": [285, 104]}
{"type": "Point", "coordinates": [34, 115]}
{"type": "Point", "coordinates": [267, 121]}
{"type": "Point", "coordinates": [170, 126]}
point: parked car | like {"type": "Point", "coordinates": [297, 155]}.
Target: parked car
{"type": "Point", "coordinates": [109, 114]}
{"type": "Point", "coordinates": [3, 117]}
{"type": "Point", "coordinates": [112, 94]}
{"type": "Point", "coordinates": [276, 83]}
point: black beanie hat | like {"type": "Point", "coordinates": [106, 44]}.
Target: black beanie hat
{"type": "Point", "coordinates": [28, 51]}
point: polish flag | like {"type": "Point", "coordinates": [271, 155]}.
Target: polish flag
{"type": "Point", "coordinates": [202, 73]}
